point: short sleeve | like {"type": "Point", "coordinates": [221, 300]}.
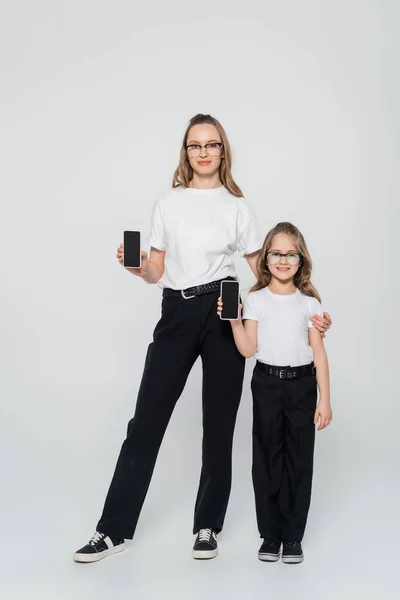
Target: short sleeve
{"type": "Point", "coordinates": [248, 237]}
{"type": "Point", "coordinates": [156, 238]}
{"type": "Point", "coordinates": [250, 310]}
{"type": "Point", "coordinates": [314, 308]}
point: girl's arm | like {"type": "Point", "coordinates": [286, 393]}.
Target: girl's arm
{"type": "Point", "coordinates": [245, 335]}
{"type": "Point", "coordinates": [323, 412]}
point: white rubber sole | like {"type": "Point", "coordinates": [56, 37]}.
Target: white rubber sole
{"type": "Point", "coordinates": [293, 559]}
{"type": "Point", "coordinates": [268, 557]}
{"type": "Point", "coordinates": [96, 556]}
{"type": "Point", "coordinates": [204, 554]}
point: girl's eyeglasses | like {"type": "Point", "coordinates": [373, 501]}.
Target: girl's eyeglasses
{"type": "Point", "coordinates": [213, 149]}
{"type": "Point", "coordinates": [293, 258]}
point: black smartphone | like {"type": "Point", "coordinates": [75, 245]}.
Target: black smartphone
{"type": "Point", "coordinates": [230, 300]}
{"type": "Point", "coordinates": [132, 254]}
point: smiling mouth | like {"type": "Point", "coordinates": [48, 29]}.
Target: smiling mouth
{"type": "Point", "coordinates": [283, 269]}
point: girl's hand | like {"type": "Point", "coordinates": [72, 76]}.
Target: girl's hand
{"type": "Point", "coordinates": [321, 324]}
{"type": "Point", "coordinates": [323, 412]}
{"type": "Point", "coordinates": [219, 311]}
{"type": "Point", "coordinates": [138, 272]}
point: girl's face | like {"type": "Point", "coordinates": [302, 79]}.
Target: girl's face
{"type": "Point", "coordinates": [284, 270]}
{"type": "Point", "coordinates": [204, 160]}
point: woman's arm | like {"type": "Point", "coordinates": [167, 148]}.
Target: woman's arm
{"type": "Point", "coordinates": [323, 411]}
{"type": "Point", "coordinates": [155, 266]}
{"type": "Point", "coordinates": [252, 261]}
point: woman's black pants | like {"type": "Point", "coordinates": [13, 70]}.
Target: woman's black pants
{"type": "Point", "coordinates": [187, 329]}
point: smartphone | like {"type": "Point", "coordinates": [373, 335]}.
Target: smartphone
{"type": "Point", "coordinates": [132, 254]}
{"type": "Point", "coordinates": [230, 299]}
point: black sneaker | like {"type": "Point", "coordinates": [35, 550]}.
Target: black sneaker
{"type": "Point", "coordinates": [292, 552]}
{"type": "Point", "coordinates": [98, 547]}
{"type": "Point", "coordinates": [206, 545]}
{"type": "Point", "coordinates": [270, 550]}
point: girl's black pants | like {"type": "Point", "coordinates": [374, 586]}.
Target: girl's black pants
{"type": "Point", "coordinates": [283, 449]}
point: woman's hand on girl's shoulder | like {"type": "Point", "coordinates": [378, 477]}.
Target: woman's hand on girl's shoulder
{"type": "Point", "coordinates": [321, 324]}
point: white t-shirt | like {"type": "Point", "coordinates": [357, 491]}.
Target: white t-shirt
{"type": "Point", "coordinates": [200, 230]}
{"type": "Point", "coordinates": [283, 323]}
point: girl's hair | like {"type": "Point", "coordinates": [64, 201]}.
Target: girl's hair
{"type": "Point", "coordinates": [184, 172]}
{"type": "Point", "coordinates": [303, 275]}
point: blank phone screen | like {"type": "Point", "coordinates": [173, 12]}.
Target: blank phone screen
{"type": "Point", "coordinates": [132, 249]}
{"type": "Point", "coordinates": [230, 299]}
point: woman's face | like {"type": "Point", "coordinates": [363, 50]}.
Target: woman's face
{"type": "Point", "coordinates": [204, 160]}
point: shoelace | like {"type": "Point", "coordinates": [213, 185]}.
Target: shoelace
{"type": "Point", "coordinates": [290, 544]}
{"type": "Point", "coordinates": [96, 537]}
{"type": "Point", "coordinates": [205, 535]}
{"type": "Point", "coordinates": [271, 542]}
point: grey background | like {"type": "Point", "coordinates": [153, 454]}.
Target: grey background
{"type": "Point", "coordinates": [95, 97]}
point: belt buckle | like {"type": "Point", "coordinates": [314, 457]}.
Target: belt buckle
{"type": "Point", "coordinates": [280, 374]}
{"type": "Point", "coordinates": [187, 297]}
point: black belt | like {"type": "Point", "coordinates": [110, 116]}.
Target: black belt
{"type": "Point", "coordinates": [197, 290]}
{"type": "Point", "coordinates": [287, 372]}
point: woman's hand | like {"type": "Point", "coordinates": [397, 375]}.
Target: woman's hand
{"type": "Point", "coordinates": [321, 324]}
{"type": "Point", "coordinates": [141, 272]}
{"type": "Point", "coordinates": [219, 311]}
{"type": "Point", "coordinates": [323, 413]}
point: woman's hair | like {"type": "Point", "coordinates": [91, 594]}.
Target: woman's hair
{"type": "Point", "coordinates": [184, 173]}
{"type": "Point", "coordinates": [303, 275]}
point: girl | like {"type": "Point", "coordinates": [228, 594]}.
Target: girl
{"type": "Point", "coordinates": [196, 228]}
{"type": "Point", "coordinates": [291, 360]}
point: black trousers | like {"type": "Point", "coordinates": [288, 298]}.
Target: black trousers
{"type": "Point", "coordinates": [187, 329]}
{"type": "Point", "coordinates": [283, 453]}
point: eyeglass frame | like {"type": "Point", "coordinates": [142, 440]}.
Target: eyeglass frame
{"type": "Point", "coordinates": [285, 255]}
{"type": "Point", "coordinates": [220, 146]}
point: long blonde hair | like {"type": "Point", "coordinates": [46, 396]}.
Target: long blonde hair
{"type": "Point", "coordinates": [302, 279]}
{"type": "Point", "coordinates": [184, 172]}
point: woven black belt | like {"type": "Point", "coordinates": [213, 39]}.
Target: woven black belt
{"type": "Point", "coordinates": [287, 372]}
{"type": "Point", "coordinates": [197, 290]}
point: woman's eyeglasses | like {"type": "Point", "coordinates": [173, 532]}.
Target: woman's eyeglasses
{"type": "Point", "coordinates": [292, 258]}
{"type": "Point", "coordinates": [213, 149]}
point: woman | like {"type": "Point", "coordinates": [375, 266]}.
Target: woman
{"type": "Point", "coordinates": [196, 228]}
